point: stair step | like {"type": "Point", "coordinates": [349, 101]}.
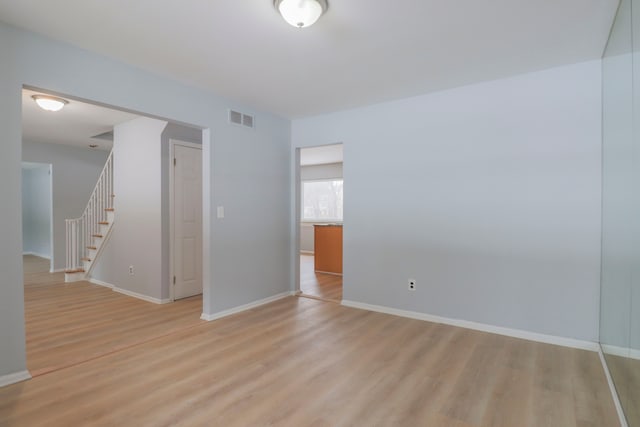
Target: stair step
{"type": "Point", "coordinates": [97, 235]}
{"type": "Point", "coordinates": [104, 223]}
{"type": "Point", "coordinates": [77, 270]}
{"type": "Point", "coordinates": [85, 259]}
{"type": "Point", "coordinates": [92, 247]}
{"type": "Point", "coordinates": [109, 209]}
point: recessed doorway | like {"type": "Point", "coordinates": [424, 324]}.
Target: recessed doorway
{"type": "Point", "coordinates": [186, 219]}
{"type": "Point", "coordinates": [75, 143]}
{"type": "Point", "coordinates": [321, 201]}
{"type": "Point", "coordinates": [37, 214]}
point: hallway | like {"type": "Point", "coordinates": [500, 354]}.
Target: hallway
{"type": "Point", "coordinates": [70, 323]}
{"type": "Point", "coordinates": [320, 285]}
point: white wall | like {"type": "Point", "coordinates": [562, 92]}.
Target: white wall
{"type": "Point", "coordinates": [488, 195]}
{"type": "Point", "coordinates": [136, 237]}
{"type": "Point", "coordinates": [75, 172]}
{"type": "Point", "coordinates": [326, 171]}
{"type": "Point", "coordinates": [246, 171]}
{"type": "Point", "coordinates": [36, 210]}
{"type": "Point", "coordinates": [314, 172]}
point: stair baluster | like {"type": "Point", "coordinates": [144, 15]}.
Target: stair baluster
{"type": "Point", "coordinates": [80, 231]}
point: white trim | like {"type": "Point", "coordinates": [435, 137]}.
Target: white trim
{"type": "Point", "coordinates": [328, 272]}
{"type": "Point", "coordinates": [612, 388]}
{"type": "Point", "coordinates": [238, 309]}
{"type": "Point", "coordinates": [103, 242]}
{"type": "Point", "coordinates": [615, 350]}
{"type": "Point", "coordinates": [37, 254]}
{"type": "Point", "coordinates": [516, 333]}
{"type": "Point", "coordinates": [207, 185]}
{"type": "Point", "coordinates": [52, 246]}
{"type": "Point", "coordinates": [14, 378]}
{"type": "Point", "coordinates": [114, 288]}
{"type": "Point", "coordinates": [101, 283]}
{"type": "Point", "coordinates": [307, 252]}
{"type": "Point", "coordinates": [140, 296]}
{"type": "Point", "coordinates": [296, 225]}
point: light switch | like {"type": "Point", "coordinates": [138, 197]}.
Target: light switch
{"type": "Point", "coordinates": [220, 212]}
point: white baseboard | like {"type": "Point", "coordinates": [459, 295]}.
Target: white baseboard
{"type": "Point", "coordinates": [14, 378]}
{"type": "Point", "coordinates": [307, 252]}
{"type": "Point", "coordinates": [614, 350]}
{"type": "Point", "coordinates": [141, 296]}
{"type": "Point", "coordinates": [101, 283]}
{"type": "Point", "coordinates": [516, 333]}
{"type": "Point", "coordinates": [238, 309]}
{"type": "Point", "coordinates": [328, 272]}
{"type": "Point", "coordinates": [129, 293]}
{"type": "Point", "coordinates": [612, 388]}
{"type": "Point", "coordinates": [58, 270]}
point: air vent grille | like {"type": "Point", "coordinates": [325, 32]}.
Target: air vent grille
{"type": "Point", "coordinates": [235, 117]}
{"type": "Point", "coordinates": [247, 120]}
{"type": "Point", "coordinates": [238, 118]}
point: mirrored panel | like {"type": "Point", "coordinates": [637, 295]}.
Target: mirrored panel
{"type": "Point", "coordinates": [620, 291]}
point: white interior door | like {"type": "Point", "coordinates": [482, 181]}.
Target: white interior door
{"type": "Point", "coordinates": [187, 221]}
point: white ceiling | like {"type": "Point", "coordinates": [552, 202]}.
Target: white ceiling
{"type": "Point", "coordinates": [360, 52]}
{"type": "Point", "coordinates": [75, 124]}
{"type": "Point", "coordinates": [321, 155]}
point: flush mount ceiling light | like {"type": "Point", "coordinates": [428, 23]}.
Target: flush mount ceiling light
{"type": "Point", "coordinates": [50, 103]}
{"type": "Point", "coordinates": [301, 13]}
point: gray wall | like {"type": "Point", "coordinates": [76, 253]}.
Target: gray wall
{"type": "Point", "coordinates": [488, 195]}
{"type": "Point", "coordinates": [36, 210]}
{"type": "Point", "coordinates": [75, 172]}
{"type": "Point", "coordinates": [137, 231]}
{"type": "Point", "coordinates": [151, 261]}
{"type": "Point", "coordinates": [247, 171]}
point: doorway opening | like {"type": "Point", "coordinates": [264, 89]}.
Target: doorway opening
{"type": "Point", "coordinates": [320, 224]}
{"type": "Point", "coordinates": [37, 216]}
{"type": "Point", "coordinates": [185, 195]}
{"type": "Point", "coordinates": [75, 143]}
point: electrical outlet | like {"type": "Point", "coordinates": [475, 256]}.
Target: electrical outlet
{"type": "Point", "coordinates": [131, 270]}
{"type": "Point", "coordinates": [412, 284]}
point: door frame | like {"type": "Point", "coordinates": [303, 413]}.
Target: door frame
{"type": "Point", "coordinates": [297, 201]}
{"type": "Point", "coordinates": [49, 167]}
{"type": "Point", "coordinates": [172, 144]}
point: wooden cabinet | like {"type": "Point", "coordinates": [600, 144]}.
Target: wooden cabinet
{"type": "Point", "coordinates": [327, 242]}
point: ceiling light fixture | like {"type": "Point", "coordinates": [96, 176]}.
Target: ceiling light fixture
{"type": "Point", "coordinates": [50, 103]}
{"type": "Point", "coordinates": [301, 13]}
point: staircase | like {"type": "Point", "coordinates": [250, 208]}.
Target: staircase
{"type": "Point", "coordinates": [86, 236]}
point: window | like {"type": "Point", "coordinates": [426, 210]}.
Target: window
{"type": "Point", "coordinates": [322, 200]}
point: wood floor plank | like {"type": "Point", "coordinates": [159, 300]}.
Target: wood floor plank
{"type": "Point", "coordinates": [306, 362]}
{"type": "Point", "coordinates": [625, 373]}
{"type": "Point", "coordinates": [320, 285]}
{"type": "Point", "coordinates": [68, 323]}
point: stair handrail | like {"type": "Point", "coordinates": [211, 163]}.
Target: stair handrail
{"type": "Point", "coordinates": [80, 230]}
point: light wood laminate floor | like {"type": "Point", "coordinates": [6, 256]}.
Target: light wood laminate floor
{"type": "Point", "coordinates": [319, 285]}
{"type": "Point", "coordinates": [304, 362]}
{"type": "Point", "coordinates": [68, 323]}
{"type": "Point", "coordinates": [625, 373]}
